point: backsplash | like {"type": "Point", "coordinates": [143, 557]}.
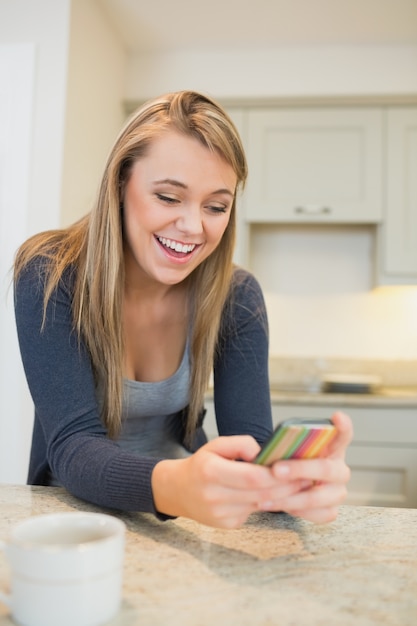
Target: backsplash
{"type": "Point", "coordinates": [306, 373]}
{"type": "Point", "coordinates": [320, 299]}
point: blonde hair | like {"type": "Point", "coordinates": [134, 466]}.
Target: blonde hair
{"type": "Point", "coordinates": [93, 247]}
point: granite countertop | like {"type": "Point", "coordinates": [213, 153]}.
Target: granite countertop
{"type": "Point", "coordinates": [300, 381]}
{"type": "Point", "coordinates": [360, 569]}
{"type": "Point", "coordinates": [385, 396]}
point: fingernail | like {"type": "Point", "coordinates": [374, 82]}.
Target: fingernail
{"type": "Point", "coordinates": [281, 469]}
{"type": "Point", "coordinates": [265, 506]}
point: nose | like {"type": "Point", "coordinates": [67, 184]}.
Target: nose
{"type": "Point", "coordinates": [190, 221]}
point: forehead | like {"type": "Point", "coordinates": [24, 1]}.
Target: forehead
{"type": "Point", "coordinates": [176, 154]}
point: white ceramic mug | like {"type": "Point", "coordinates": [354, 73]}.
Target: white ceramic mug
{"type": "Point", "coordinates": [66, 569]}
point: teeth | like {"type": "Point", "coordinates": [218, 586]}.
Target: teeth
{"type": "Point", "coordinates": [176, 245]}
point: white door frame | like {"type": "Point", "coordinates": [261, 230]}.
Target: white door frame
{"type": "Point", "coordinates": [17, 72]}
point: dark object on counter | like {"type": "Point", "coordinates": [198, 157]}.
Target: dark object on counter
{"type": "Point", "coordinates": [350, 383]}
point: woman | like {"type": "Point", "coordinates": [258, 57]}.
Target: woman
{"type": "Point", "coordinates": [123, 316]}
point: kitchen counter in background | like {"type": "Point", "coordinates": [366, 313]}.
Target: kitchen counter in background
{"type": "Point", "coordinates": [360, 569]}
{"type": "Point", "coordinates": [299, 381]}
{"type": "Point", "coordinates": [383, 397]}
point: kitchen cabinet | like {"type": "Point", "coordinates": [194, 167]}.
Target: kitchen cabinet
{"type": "Point", "coordinates": [319, 164]}
{"type": "Point", "coordinates": [398, 232]}
{"type": "Point", "coordinates": [382, 456]}
{"type": "Point", "coordinates": [314, 165]}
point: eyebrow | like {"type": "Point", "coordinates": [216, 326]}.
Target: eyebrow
{"type": "Point", "coordinates": [177, 183]}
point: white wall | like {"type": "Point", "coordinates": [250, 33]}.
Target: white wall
{"type": "Point", "coordinates": [34, 37]}
{"type": "Point", "coordinates": [16, 103]}
{"type": "Point", "coordinates": [44, 23]}
{"type": "Point", "coordinates": [371, 326]}
{"type": "Point", "coordinates": [94, 114]}
{"type": "Point", "coordinates": [283, 71]}
{"type": "Point", "coordinates": [320, 296]}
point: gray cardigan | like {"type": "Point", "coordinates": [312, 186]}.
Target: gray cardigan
{"type": "Point", "coordinates": [69, 440]}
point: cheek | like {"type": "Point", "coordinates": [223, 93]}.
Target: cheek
{"type": "Point", "coordinates": [132, 228]}
{"type": "Point", "coordinates": [127, 224]}
{"type": "Point", "coordinates": [218, 227]}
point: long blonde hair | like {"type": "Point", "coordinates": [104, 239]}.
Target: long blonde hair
{"type": "Point", "coordinates": [93, 247]}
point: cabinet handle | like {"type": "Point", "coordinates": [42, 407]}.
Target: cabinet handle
{"type": "Point", "coordinates": [313, 210]}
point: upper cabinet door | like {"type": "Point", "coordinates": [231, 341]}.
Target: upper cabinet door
{"type": "Point", "coordinates": [399, 230]}
{"type": "Point", "coordinates": [314, 165]}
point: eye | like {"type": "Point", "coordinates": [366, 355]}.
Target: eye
{"type": "Point", "coordinates": [217, 209]}
{"type": "Point", "coordinates": [166, 199]}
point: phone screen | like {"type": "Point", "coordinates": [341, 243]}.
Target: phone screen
{"type": "Point", "coordinates": [297, 439]}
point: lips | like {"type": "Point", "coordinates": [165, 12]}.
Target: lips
{"type": "Point", "coordinates": [175, 248]}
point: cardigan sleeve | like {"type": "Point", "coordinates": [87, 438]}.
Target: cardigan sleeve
{"type": "Point", "coordinates": [241, 378]}
{"type": "Point", "coordinates": [69, 439]}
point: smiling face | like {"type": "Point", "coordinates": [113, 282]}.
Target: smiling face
{"type": "Point", "coordinates": [177, 205]}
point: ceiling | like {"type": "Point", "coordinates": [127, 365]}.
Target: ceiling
{"type": "Point", "coordinates": [163, 25]}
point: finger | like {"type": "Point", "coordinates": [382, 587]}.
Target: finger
{"type": "Point", "coordinates": [329, 470]}
{"type": "Point", "coordinates": [318, 497]}
{"type": "Point", "coordinates": [225, 514]}
{"type": "Point", "coordinates": [344, 435]}
{"type": "Point", "coordinates": [229, 474]}
{"type": "Point", "coordinates": [318, 516]}
{"type": "Point", "coordinates": [260, 499]}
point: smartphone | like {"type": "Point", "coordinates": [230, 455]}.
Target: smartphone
{"type": "Point", "coordinates": [297, 438]}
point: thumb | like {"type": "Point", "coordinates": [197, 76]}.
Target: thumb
{"type": "Point", "coordinates": [242, 447]}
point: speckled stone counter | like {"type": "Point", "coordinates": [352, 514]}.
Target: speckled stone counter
{"type": "Point", "coordinates": [360, 569]}
{"type": "Point", "coordinates": [299, 382]}
{"type": "Point", "coordinates": [386, 398]}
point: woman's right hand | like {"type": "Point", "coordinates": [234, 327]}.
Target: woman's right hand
{"type": "Point", "coordinates": [212, 488]}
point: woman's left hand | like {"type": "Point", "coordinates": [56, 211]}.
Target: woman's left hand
{"type": "Point", "coordinates": [326, 478]}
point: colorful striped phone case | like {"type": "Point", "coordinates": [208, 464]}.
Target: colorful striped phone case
{"type": "Point", "coordinates": [297, 439]}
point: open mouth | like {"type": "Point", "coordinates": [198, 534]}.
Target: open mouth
{"type": "Point", "coordinates": [176, 248]}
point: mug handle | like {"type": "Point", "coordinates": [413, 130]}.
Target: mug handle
{"type": "Point", "coordinates": [4, 597]}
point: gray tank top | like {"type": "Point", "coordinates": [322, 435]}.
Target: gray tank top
{"type": "Point", "coordinates": [150, 420]}
{"type": "Point", "coordinates": [150, 415]}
